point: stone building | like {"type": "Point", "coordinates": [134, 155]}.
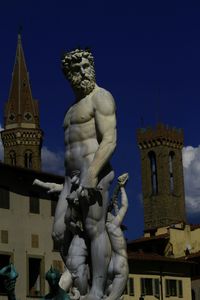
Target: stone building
{"type": "Point", "coordinates": [26, 218]}
{"type": "Point", "coordinates": [165, 262]}
{"type": "Point", "coordinates": [26, 212]}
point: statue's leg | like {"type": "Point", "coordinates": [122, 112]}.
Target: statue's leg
{"type": "Point", "coordinates": [60, 234]}
{"type": "Point", "coordinates": [76, 263]}
{"type": "Point", "coordinates": [94, 223]}
{"type": "Point", "coordinates": [120, 278]}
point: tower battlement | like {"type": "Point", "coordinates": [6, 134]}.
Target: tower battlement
{"type": "Point", "coordinates": [160, 135]}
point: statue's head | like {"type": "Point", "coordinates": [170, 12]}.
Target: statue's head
{"type": "Point", "coordinates": [78, 67]}
{"type": "Point", "coordinates": [53, 277]}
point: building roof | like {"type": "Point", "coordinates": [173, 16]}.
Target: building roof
{"type": "Point", "coordinates": [194, 226]}
{"type": "Point", "coordinates": [137, 256]}
{"type": "Point", "coordinates": [155, 244]}
{"type": "Point", "coordinates": [20, 180]}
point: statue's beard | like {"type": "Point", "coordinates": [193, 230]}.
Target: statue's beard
{"type": "Point", "coordinates": [83, 84]}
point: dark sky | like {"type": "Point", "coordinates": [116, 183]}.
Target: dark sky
{"type": "Point", "coordinates": [147, 54]}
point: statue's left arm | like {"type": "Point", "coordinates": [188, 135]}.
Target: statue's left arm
{"type": "Point", "coordinates": [105, 124]}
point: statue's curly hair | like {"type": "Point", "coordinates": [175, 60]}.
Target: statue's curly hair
{"type": "Point", "coordinates": [74, 56]}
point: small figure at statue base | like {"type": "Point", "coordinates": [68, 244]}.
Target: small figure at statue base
{"type": "Point", "coordinates": [56, 292]}
{"type": "Point", "coordinates": [9, 276]}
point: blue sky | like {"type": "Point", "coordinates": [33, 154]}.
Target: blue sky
{"type": "Point", "coordinates": [147, 54]}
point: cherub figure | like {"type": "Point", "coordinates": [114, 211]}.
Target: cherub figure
{"type": "Point", "coordinates": [118, 267]}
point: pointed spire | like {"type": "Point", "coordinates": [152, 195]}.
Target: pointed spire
{"type": "Point", "coordinates": [21, 107]}
{"type": "Point", "coordinates": [22, 136]}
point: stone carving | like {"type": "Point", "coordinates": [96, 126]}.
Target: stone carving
{"type": "Point", "coordinates": [91, 241]}
{"type": "Point", "coordinates": [9, 276]}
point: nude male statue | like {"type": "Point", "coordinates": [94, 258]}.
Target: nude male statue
{"type": "Point", "coordinates": [90, 139]}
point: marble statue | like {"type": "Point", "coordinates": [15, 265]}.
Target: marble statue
{"type": "Point", "coordinates": [89, 236]}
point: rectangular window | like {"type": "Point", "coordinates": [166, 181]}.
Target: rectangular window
{"type": "Point", "coordinates": [53, 207]}
{"type": "Point", "coordinates": [156, 288]}
{"type": "Point", "coordinates": [34, 205]}
{"type": "Point", "coordinates": [4, 236]}
{"type": "Point", "coordinates": [4, 261]}
{"type": "Point", "coordinates": [56, 246]}
{"type": "Point", "coordinates": [4, 198]}
{"type": "Point", "coordinates": [180, 289]}
{"type": "Point", "coordinates": [34, 241]}
{"type": "Point", "coordinates": [174, 288]}
{"type": "Point", "coordinates": [150, 286]}
{"type": "Point", "coordinates": [131, 286]}
{"type": "Point", "coordinates": [35, 277]}
{"type": "Point", "coordinates": [146, 286]}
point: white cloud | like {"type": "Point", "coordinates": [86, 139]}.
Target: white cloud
{"type": "Point", "coordinates": [191, 166]}
{"type": "Point", "coordinates": [52, 162]}
{"type": "Point", "coordinates": [1, 145]}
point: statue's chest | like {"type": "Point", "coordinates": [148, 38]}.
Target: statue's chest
{"type": "Point", "coordinates": [81, 112]}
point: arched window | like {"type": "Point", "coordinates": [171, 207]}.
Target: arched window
{"type": "Point", "coordinates": [28, 159]}
{"type": "Point", "coordinates": [154, 178]}
{"type": "Point", "coordinates": [171, 171]}
{"type": "Point", "coordinates": [12, 155]}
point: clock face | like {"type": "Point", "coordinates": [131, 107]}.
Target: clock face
{"type": "Point", "coordinates": [28, 116]}
{"type": "Point", "coordinates": [11, 117]}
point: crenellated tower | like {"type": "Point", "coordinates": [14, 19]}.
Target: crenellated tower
{"type": "Point", "coordinates": [162, 176]}
{"type": "Point", "coordinates": [22, 136]}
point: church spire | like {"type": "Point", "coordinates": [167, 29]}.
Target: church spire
{"type": "Point", "coordinates": [22, 136]}
{"type": "Point", "coordinates": [21, 108]}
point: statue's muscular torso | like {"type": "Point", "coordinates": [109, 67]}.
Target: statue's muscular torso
{"type": "Point", "coordinates": [82, 135]}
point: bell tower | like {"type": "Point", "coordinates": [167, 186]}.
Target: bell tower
{"type": "Point", "coordinates": [162, 176]}
{"type": "Point", "coordinates": [22, 136]}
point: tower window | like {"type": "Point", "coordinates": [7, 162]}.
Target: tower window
{"type": "Point", "coordinates": [12, 158]}
{"type": "Point", "coordinates": [171, 171]}
{"type": "Point", "coordinates": [28, 157]}
{"type": "Point", "coordinates": [154, 178]}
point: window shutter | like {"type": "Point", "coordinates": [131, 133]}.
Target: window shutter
{"type": "Point", "coordinates": [156, 288]}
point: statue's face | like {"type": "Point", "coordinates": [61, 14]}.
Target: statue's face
{"type": "Point", "coordinates": [81, 76]}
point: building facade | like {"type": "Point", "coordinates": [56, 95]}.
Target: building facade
{"type": "Point", "coordinates": [26, 221]}
{"type": "Point", "coordinates": [26, 212]}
